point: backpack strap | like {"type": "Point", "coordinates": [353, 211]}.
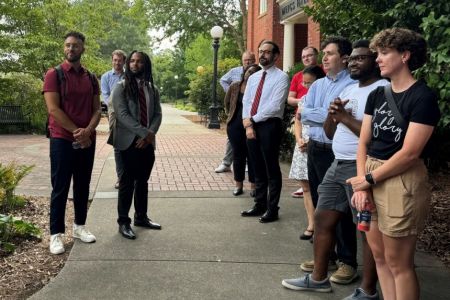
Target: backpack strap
{"type": "Point", "coordinates": [393, 106]}
{"type": "Point", "coordinates": [61, 83]}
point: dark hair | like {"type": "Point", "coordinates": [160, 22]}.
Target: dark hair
{"type": "Point", "coordinates": [402, 40]}
{"type": "Point", "coordinates": [254, 66]}
{"type": "Point", "coordinates": [131, 86]}
{"type": "Point", "coordinates": [275, 48]}
{"type": "Point", "coordinates": [76, 34]}
{"type": "Point", "coordinates": [343, 44]}
{"type": "Point", "coordinates": [316, 71]}
{"type": "Point", "coordinates": [361, 44]}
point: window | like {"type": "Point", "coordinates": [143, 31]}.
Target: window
{"type": "Point", "coordinates": [262, 6]}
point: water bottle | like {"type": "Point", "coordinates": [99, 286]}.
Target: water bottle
{"type": "Point", "coordinates": [76, 145]}
{"type": "Point", "coordinates": [364, 218]}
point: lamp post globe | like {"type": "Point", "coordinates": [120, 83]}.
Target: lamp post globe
{"type": "Point", "coordinates": [216, 34]}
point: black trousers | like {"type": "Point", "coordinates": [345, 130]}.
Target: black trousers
{"type": "Point", "coordinates": [264, 152]}
{"type": "Point", "coordinates": [137, 167]}
{"type": "Point", "coordinates": [238, 140]}
{"type": "Point", "coordinates": [66, 164]}
{"type": "Point", "coordinates": [320, 157]}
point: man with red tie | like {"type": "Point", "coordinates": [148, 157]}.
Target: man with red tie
{"type": "Point", "coordinates": [263, 107]}
{"type": "Point", "coordinates": [138, 117]}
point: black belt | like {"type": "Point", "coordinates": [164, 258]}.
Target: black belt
{"type": "Point", "coordinates": [321, 145]}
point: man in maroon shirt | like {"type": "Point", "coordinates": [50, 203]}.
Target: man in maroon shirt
{"type": "Point", "coordinates": [73, 106]}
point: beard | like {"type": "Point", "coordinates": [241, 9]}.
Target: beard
{"type": "Point", "coordinates": [73, 58]}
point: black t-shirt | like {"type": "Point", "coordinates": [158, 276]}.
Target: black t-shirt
{"type": "Point", "coordinates": [417, 104]}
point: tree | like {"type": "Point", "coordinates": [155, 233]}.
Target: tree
{"type": "Point", "coordinates": [185, 19]}
{"type": "Point", "coordinates": [32, 31]}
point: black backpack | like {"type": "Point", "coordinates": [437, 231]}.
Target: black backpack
{"type": "Point", "coordinates": [61, 79]}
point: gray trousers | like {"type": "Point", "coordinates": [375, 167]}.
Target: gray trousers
{"type": "Point", "coordinates": [228, 158]}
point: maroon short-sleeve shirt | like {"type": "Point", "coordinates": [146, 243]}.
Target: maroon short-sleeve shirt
{"type": "Point", "coordinates": [78, 101]}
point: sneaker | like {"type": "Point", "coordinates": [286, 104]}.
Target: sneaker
{"type": "Point", "coordinates": [345, 274]}
{"type": "Point", "coordinates": [305, 283]}
{"type": "Point", "coordinates": [308, 266]}
{"type": "Point", "coordinates": [360, 294]}
{"type": "Point", "coordinates": [56, 244]}
{"type": "Point", "coordinates": [298, 193]}
{"type": "Point", "coordinates": [80, 232]}
{"type": "Point", "coordinates": [222, 168]}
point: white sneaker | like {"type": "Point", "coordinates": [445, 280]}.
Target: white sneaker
{"type": "Point", "coordinates": [56, 244]}
{"type": "Point", "coordinates": [222, 168]}
{"type": "Point", "coordinates": [80, 232]}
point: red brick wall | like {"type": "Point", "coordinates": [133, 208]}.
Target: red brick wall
{"type": "Point", "coordinates": [313, 34]}
{"type": "Point", "coordinates": [266, 26]}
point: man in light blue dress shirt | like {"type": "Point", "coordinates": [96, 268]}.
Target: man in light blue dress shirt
{"type": "Point", "coordinates": [108, 81]}
{"type": "Point", "coordinates": [322, 92]}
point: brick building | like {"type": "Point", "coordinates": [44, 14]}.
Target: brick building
{"type": "Point", "coordinates": [285, 23]}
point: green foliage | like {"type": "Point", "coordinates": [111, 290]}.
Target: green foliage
{"type": "Point", "coordinates": [11, 227]}
{"type": "Point", "coordinates": [25, 90]}
{"type": "Point", "coordinates": [185, 19]}
{"type": "Point", "coordinates": [10, 176]}
{"type": "Point", "coordinates": [200, 86]}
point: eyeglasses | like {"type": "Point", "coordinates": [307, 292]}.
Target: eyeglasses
{"type": "Point", "coordinates": [360, 58]}
{"type": "Point", "coordinates": [265, 52]}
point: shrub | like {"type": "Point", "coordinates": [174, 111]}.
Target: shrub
{"type": "Point", "coordinates": [10, 176]}
{"type": "Point", "coordinates": [25, 90]}
{"type": "Point", "coordinates": [11, 227]}
{"type": "Point", "coordinates": [200, 86]}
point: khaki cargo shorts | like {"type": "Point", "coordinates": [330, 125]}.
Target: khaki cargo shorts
{"type": "Point", "coordinates": [402, 202]}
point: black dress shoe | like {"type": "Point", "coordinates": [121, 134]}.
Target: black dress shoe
{"type": "Point", "coordinates": [253, 193]}
{"type": "Point", "coordinates": [268, 217]}
{"type": "Point", "coordinates": [126, 231]}
{"type": "Point", "coordinates": [252, 212]}
{"type": "Point", "coordinates": [238, 191]}
{"type": "Point", "coordinates": [147, 223]}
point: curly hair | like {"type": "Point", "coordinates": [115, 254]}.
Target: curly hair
{"type": "Point", "coordinates": [131, 86]}
{"type": "Point", "coordinates": [75, 34]}
{"type": "Point", "coordinates": [402, 39]}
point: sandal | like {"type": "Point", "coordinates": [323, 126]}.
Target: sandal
{"type": "Point", "coordinates": [305, 236]}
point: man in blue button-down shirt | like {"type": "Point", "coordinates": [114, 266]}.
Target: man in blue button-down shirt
{"type": "Point", "coordinates": [322, 92]}
{"type": "Point", "coordinates": [109, 80]}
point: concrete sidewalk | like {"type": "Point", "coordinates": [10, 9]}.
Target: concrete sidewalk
{"type": "Point", "coordinates": [205, 250]}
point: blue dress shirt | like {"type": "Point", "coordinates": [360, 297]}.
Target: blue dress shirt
{"type": "Point", "coordinates": [321, 93]}
{"type": "Point", "coordinates": [231, 76]}
{"type": "Point", "coordinates": [109, 80]}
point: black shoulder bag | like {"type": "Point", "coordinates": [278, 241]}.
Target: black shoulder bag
{"type": "Point", "coordinates": [393, 106]}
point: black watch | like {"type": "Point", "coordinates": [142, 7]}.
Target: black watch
{"type": "Point", "coordinates": [251, 120]}
{"type": "Point", "coordinates": [369, 178]}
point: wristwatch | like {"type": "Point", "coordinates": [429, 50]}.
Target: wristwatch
{"type": "Point", "coordinates": [369, 178]}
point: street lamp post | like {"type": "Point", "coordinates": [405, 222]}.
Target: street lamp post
{"type": "Point", "coordinates": [216, 34]}
{"type": "Point", "coordinates": [176, 87]}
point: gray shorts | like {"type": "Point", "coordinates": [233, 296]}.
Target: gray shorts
{"type": "Point", "coordinates": [334, 193]}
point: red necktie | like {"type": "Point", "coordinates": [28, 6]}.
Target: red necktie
{"type": "Point", "coordinates": [142, 105]}
{"type": "Point", "coordinates": [258, 95]}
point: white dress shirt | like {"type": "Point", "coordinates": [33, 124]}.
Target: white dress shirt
{"type": "Point", "coordinates": [273, 98]}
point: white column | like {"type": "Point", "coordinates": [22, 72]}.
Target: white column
{"type": "Point", "coordinates": [289, 46]}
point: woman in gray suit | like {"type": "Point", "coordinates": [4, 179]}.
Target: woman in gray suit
{"type": "Point", "coordinates": [138, 117]}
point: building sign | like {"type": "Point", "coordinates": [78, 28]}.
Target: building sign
{"type": "Point", "coordinates": [291, 7]}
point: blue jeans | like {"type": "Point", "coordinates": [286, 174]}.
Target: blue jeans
{"type": "Point", "coordinates": [66, 164]}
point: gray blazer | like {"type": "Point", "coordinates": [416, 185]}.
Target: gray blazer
{"type": "Point", "coordinates": [126, 110]}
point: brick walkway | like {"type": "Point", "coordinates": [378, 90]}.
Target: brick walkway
{"type": "Point", "coordinates": [186, 156]}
